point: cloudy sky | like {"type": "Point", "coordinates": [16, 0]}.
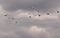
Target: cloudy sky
{"type": "Point", "coordinates": [15, 21]}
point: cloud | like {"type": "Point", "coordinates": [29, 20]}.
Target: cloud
{"type": "Point", "coordinates": [49, 24]}
{"type": "Point", "coordinates": [12, 5]}
{"type": "Point", "coordinates": [34, 32]}
{"type": "Point", "coordinates": [6, 30]}
{"type": "Point", "coordinates": [35, 16]}
{"type": "Point", "coordinates": [45, 26]}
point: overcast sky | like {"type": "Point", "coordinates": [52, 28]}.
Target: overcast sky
{"type": "Point", "coordinates": [17, 23]}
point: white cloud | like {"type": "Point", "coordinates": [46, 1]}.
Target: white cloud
{"type": "Point", "coordinates": [35, 29]}
{"type": "Point", "coordinates": [34, 32]}
{"type": "Point", "coordinates": [42, 17]}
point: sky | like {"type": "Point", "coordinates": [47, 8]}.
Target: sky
{"type": "Point", "coordinates": [17, 23]}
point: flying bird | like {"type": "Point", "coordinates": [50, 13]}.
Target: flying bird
{"type": "Point", "coordinates": [16, 22]}
{"type": "Point", "coordinates": [39, 15]}
{"type": "Point", "coordinates": [9, 18]}
{"type": "Point", "coordinates": [5, 15]}
{"type": "Point", "coordinates": [47, 13]}
{"type": "Point", "coordinates": [12, 18]}
{"type": "Point", "coordinates": [29, 16]}
{"type": "Point", "coordinates": [38, 11]}
{"type": "Point", "coordinates": [57, 11]}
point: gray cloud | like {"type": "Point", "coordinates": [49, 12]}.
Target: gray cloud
{"type": "Point", "coordinates": [13, 5]}
{"type": "Point", "coordinates": [49, 27]}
